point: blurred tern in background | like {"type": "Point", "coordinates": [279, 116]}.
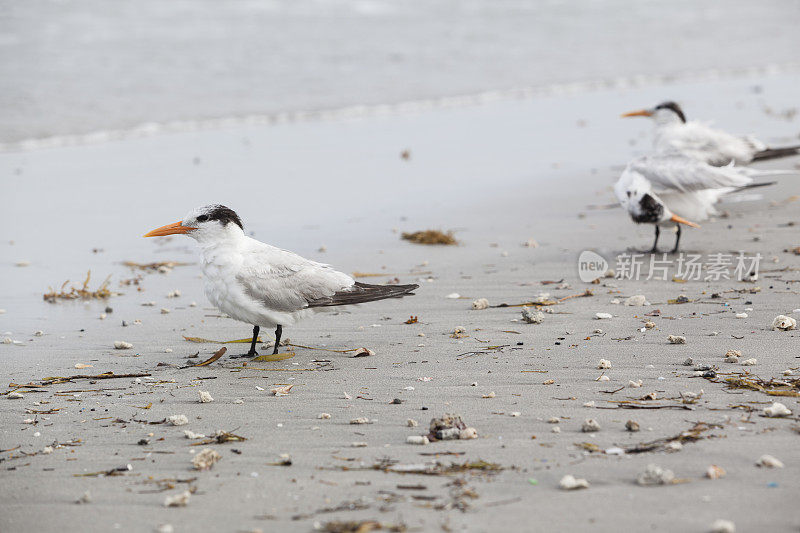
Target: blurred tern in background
{"type": "Point", "coordinates": [700, 141]}
{"type": "Point", "coordinates": [262, 285]}
{"type": "Point", "coordinates": [670, 190]}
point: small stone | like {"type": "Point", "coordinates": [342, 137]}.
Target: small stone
{"type": "Point", "coordinates": [632, 425]}
{"type": "Point", "coordinates": [603, 378]}
{"type": "Point", "coordinates": [590, 425]}
{"type": "Point", "coordinates": [655, 475]}
{"type": "Point", "coordinates": [715, 472]}
{"type": "Point", "coordinates": [453, 296]}
{"type": "Point", "coordinates": [570, 482]}
{"type": "Point", "coordinates": [38, 333]}
{"type": "Point", "coordinates": [412, 423]}
{"type": "Point", "coordinates": [532, 317]}
{"type": "Point", "coordinates": [784, 323]}
{"type": "Point", "coordinates": [635, 384]}
{"type": "Point", "coordinates": [649, 325]}
{"type": "Point", "coordinates": [676, 339]}
{"type": "Point", "coordinates": [769, 461]}
{"type": "Point", "coordinates": [490, 395]}
{"type": "Point", "coordinates": [553, 420]}
{"type": "Point", "coordinates": [673, 446]}
{"type": "Point", "coordinates": [603, 316]}
{"type": "Point", "coordinates": [238, 401]}
{"type": "Point", "coordinates": [723, 526]}
{"type": "Point", "coordinates": [362, 420]}
{"type": "Point", "coordinates": [514, 414]}
{"type": "Point", "coordinates": [480, 303]}
{"type": "Point", "coordinates": [688, 362]}
{"type": "Point", "coordinates": [178, 500]}
{"type": "Point", "coordinates": [417, 439]}
{"type": "Point", "coordinates": [189, 434]}
{"type": "Point", "coordinates": [468, 433]}
{"type": "Point", "coordinates": [324, 416]}
{"type": "Point", "coordinates": [207, 458]}
{"type": "Point", "coordinates": [589, 404]}
{"type": "Point", "coordinates": [178, 420]}
{"type": "Point", "coordinates": [555, 429]}
{"type": "Point", "coordinates": [358, 445]}
{"type": "Point", "coordinates": [205, 396]}
{"type": "Point", "coordinates": [777, 410]}
{"type": "Point", "coordinates": [637, 300]}
{"type": "Point", "coordinates": [47, 450]}
{"type": "Point", "coordinates": [741, 315]}
{"type": "Point", "coordinates": [750, 362]}
{"type": "Point", "coordinates": [164, 311]}
{"type": "Point", "coordinates": [122, 345]}
{"type": "Point", "coordinates": [14, 396]}
{"type": "Point", "coordinates": [167, 350]}
{"type": "Point", "coordinates": [604, 364]}
{"type": "Point", "coordinates": [86, 497]}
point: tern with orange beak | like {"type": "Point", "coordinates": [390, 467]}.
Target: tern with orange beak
{"type": "Point", "coordinates": [262, 285]}
{"type": "Point", "coordinates": [700, 141]}
{"type": "Point", "coordinates": [672, 190]}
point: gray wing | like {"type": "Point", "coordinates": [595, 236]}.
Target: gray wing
{"type": "Point", "coordinates": [676, 172]}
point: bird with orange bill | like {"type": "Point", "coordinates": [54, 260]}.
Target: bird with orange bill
{"type": "Point", "coordinates": [262, 285]}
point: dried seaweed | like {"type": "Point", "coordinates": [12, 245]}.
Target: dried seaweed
{"type": "Point", "coordinates": [772, 387]}
{"type": "Point", "coordinates": [691, 435]}
{"type": "Point", "coordinates": [155, 267]}
{"type": "Point", "coordinates": [435, 468]}
{"type": "Point", "coordinates": [360, 526]}
{"type": "Point", "coordinates": [430, 236]}
{"type": "Point", "coordinates": [80, 293]}
{"type": "Point", "coordinates": [54, 380]}
{"type": "Point", "coordinates": [220, 437]}
{"type": "Point", "coordinates": [219, 353]}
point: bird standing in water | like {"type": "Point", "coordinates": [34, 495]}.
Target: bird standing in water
{"type": "Point", "coordinates": [262, 285]}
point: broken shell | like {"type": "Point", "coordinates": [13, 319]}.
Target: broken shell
{"type": "Point", "coordinates": [189, 434]}
{"type": "Point", "coordinates": [649, 325]}
{"type": "Point", "coordinates": [164, 311]}
{"type": "Point", "coordinates": [777, 410]}
{"type": "Point", "coordinates": [715, 472]}
{"type": "Point", "coordinates": [673, 446]}
{"type": "Point", "coordinates": [603, 378]}
{"type": "Point", "coordinates": [741, 315]}
{"type": "Point", "coordinates": [417, 439]}
{"type": "Point", "coordinates": [555, 429]}
{"type": "Point", "coordinates": [490, 395]}
{"type": "Point", "coordinates": [205, 397]}
{"type": "Point", "coordinates": [205, 459]}
{"type": "Point", "coordinates": [603, 316]}
{"type": "Point", "coordinates": [178, 500]}
{"type": "Point", "coordinates": [750, 362]}
{"type": "Point", "coordinates": [358, 444]}
{"type": "Point", "coordinates": [178, 420]}
{"type": "Point", "coordinates": [637, 300]}
{"type": "Point", "coordinates": [635, 384]}
{"type": "Point", "coordinates": [784, 323]}
{"type": "Point", "coordinates": [480, 303]}
{"type": "Point", "coordinates": [282, 390]}
{"type": "Point", "coordinates": [14, 396]}
{"type": "Point", "coordinates": [412, 423]}
{"type": "Point", "coordinates": [553, 420]}
{"type": "Point", "coordinates": [723, 526]}
{"type": "Point", "coordinates": [676, 339]}
{"type": "Point", "coordinates": [363, 352]}
{"type": "Point", "coordinates": [324, 416]}
{"type": "Point", "coordinates": [590, 425]}
{"type": "Point", "coordinates": [468, 433]}
{"type": "Point", "coordinates": [570, 482]}
{"type": "Point", "coordinates": [632, 425]}
{"type": "Point", "coordinates": [603, 364]}
{"type": "Point", "coordinates": [362, 420]}
{"type": "Point", "coordinates": [122, 345]}
{"type": "Point", "coordinates": [769, 461]}
{"type": "Point", "coordinates": [655, 475]}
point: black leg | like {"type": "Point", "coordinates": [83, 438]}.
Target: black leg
{"type": "Point", "coordinates": [677, 240]}
{"type": "Point", "coordinates": [278, 332]}
{"type": "Point", "coordinates": [655, 243]}
{"type": "Point", "coordinates": [252, 351]}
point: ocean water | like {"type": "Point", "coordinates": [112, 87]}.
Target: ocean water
{"type": "Point", "coordinates": [88, 67]}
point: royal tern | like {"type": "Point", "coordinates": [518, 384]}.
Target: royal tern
{"type": "Point", "coordinates": [263, 285]}
{"type": "Point", "coordinates": [667, 189]}
{"type": "Point", "coordinates": [700, 141]}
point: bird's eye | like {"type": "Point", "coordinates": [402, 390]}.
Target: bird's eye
{"type": "Point", "coordinates": [202, 218]}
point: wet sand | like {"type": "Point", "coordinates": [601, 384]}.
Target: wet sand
{"type": "Point", "coordinates": [499, 175]}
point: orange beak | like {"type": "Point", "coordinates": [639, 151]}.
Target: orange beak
{"type": "Point", "coordinates": [169, 229]}
{"type": "Point", "coordinates": [680, 220]}
{"type": "Point", "coordinates": [640, 113]}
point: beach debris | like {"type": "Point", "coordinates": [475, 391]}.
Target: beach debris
{"type": "Point", "coordinates": [590, 425]}
{"type": "Point", "coordinates": [430, 236]}
{"type": "Point", "coordinates": [603, 364]}
{"type": "Point", "coordinates": [449, 427]}
{"type": "Point", "coordinates": [361, 420]}
{"type": "Point", "coordinates": [603, 316]}
{"type": "Point", "coordinates": [674, 446]}
{"type": "Point", "coordinates": [459, 333]}
{"type": "Point", "coordinates": [189, 434]}
{"type": "Point", "coordinates": [413, 319]}
{"type": "Point", "coordinates": [489, 395]}
{"type": "Point", "coordinates": [750, 362]}
{"type": "Point", "coordinates": [632, 426]}
{"type": "Point", "coordinates": [649, 325]}
{"type": "Point", "coordinates": [80, 293]}
{"type": "Point", "coordinates": [741, 315]}
{"type": "Point", "coordinates": [603, 377]}
{"type": "Point", "coordinates": [637, 300]}
{"type": "Point", "coordinates": [570, 482]}
{"type": "Point", "coordinates": [655, 475]}
{"type": "Point", "coordinates": [722, 526]}
{"type": "Point", "coordinates": [282, 390]}
{"type": "Point", "coordinates": [14, 396]}
{"type": "Point", "coordinates": [174, 294]}
{"type": "Point", "coordinates": [86, 497]}
{"type": "Point", "coordinates": [468, 434]}
{"type": "Point", "coordinates": [359, 526]}
{"type": "Point", "coordinates": [514, 414]}
{"type": "Point", "coordinates": [219, 353]}
{"type": "Point", "coordinates": [178, 500]}
{"type": "Point", "coordinates": [681, 299]}
{"type": "Point", "coordinates": [358, 444]}
{"type": "Point", "coordinates": [532, 317]}
{"type": "Point", "coordinates": [589, 404]}
{"type": "Point", "coordinates": [163, 267]}
{"type": "Point", "coordinates": [165, 311]}
{"type": "Point", "coordinates": [676, 339]}
{"type": "Point", "coordinates": [555, 429]}
{"type": "Point", "coordinates": [205, 396]}
{"type": "Point", "coordinates": [363, 352]}
{"type": "Point", "coordinates": [324, 416]}
{"type": "Point", "coordinates": [693, 434]}
{"type": "Point", "coordinates": [530, 243]}
{"type": "Point", "coordinates": [768, 461]}
{"type": "Point", "coordinates": [453, 296]}
{"type": "Point", "coordinates": [715, 472]}
{"type": "Point", "coordinates": [635, 384]}
{"type": "Point", "coordinates": [417, 439]}
{"type": "Point", "coordinates": [480, 303]}
{"type": "Point", "coordinates": [553, 420]}
{"type": "Point", "coordinates": [688, 362]}
{"type": "Point", "coordinates": [784, 323]}
{"type": "Point", "coordinates": [411, 423]}
{"type": "Point", "coordinates": [122, 345]}
{"type": "Point", "coordinates": [178, 420]}
{"type": "Point", "coordinates": [777, 410]}
{"type": "Point", "coordinates": [732, 356]}
{"type": "Point", "coordinates": [205, 459]}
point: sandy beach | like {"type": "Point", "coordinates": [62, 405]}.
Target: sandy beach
{"type": "Point", "coordinates": [525, 186]}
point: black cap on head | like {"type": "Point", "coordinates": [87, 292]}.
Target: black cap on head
{"type": "Point", "coordinates": [675, 108]}
{"type": "Point", "coordinates": [222, 214]}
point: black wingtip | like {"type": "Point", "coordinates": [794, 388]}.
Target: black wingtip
{"type": "Point", "coordinates": [775, 153]}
